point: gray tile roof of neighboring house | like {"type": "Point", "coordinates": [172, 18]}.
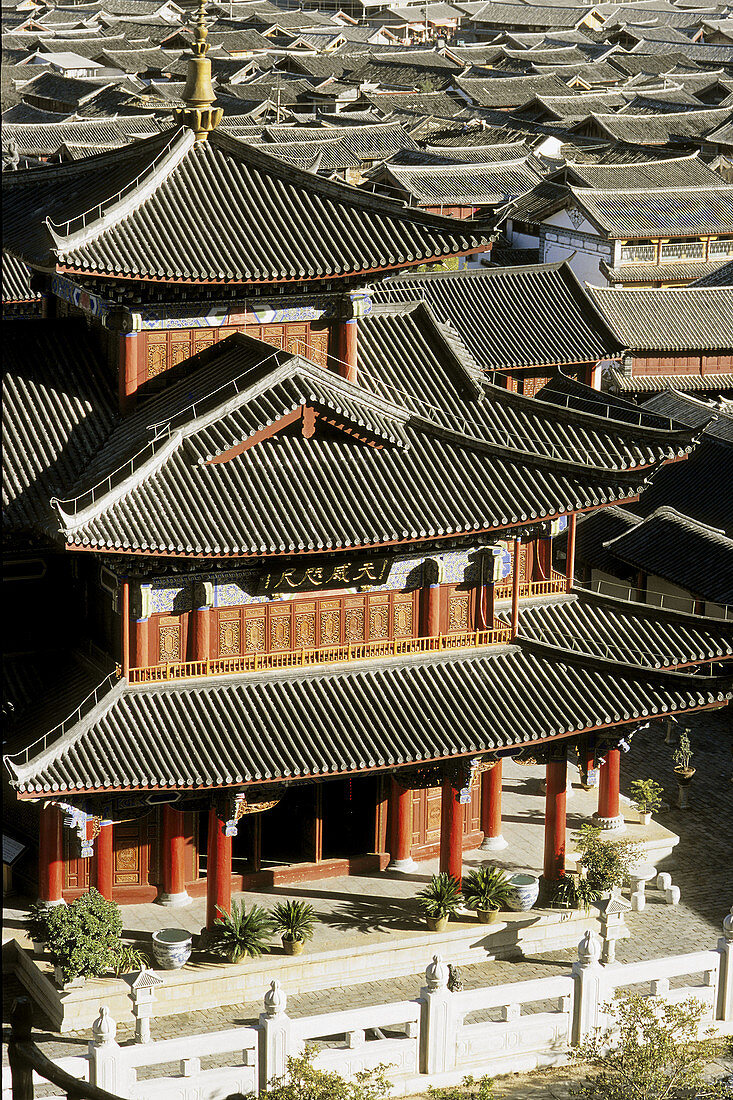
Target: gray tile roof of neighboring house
{"type": "Point", "coordinates": [457, 185]}
{"type": "Point", "coordinates": [489, 308]}
{"type": "Point", "coordinates": [324, 156]}
{"type": "Point", "coordinates": [57, 411]}
{"type": "Point", "coordinates": [699, 319]}
{"type": "Point", "coordinates": [141, 737]}
{"type": "Point", "coordinates": [687, 553]}
{"type": "Point", "coordinates": [47, 138]}
{"type": "Point", "coordinates": [720, 276]}
{"type": "Point", "coordinates": [695, 412]}
{"type": "Point", "coordinates": [685, 171]}
{"type": "Point", "coordinates": [439, 104]}
{"type": "Point", "coordinates": [627, 274]}
{"type": "Point", "coordinates": [660, 129]}
{"type": "Point", "coordinates": [592, 533]}
{"type": "Point", "coordinates": [659, 212]}
{"type": "Point", "coordinates": [510, 91]}
{"type": "Point", "coordinates": [651, 383]}
{"type": "Point", "coordinates": [617, 630]}
{"type": "Point", "coordinates": [16, 281]}
{"type": "Point", "coordinates": [332, 229]}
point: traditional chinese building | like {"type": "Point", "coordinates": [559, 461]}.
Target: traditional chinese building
{"type": "Point", "coordinates": [307, 545]}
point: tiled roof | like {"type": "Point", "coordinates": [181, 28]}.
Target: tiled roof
{"type": "Point", "coordinates": [688, 171]}
{"type": "Point", "coordinates": [690, 318]}
{"type": "Point", "coordinates": [652, 383]}
{"type": "Point", "coordinates": [16, 281]}
{"type": "Point", "coordinates": [510, 91]}
{"type": "Point", "coordinates": [602, 626]}
{"type": "Point", "coordinates": [648, 129]}
{"type": "Point", "coordinates": [489, 307]}
{"type": "Point", "coordinates": [659, 212]}
{"type": "Point", "coordinates": [597, 528]}
{"type": "Point", "coordinates": [686, 553]}
{"type": "Point", "coordinates": [721, 276]}
{"type": "Point", "coordinates": [663, 273]}
{"type": "Point", "coordinates": [326, 228]}
{"type": "Point", "coordinates": [471, 184]}
{"type": "Point", "coordinates": [377, 715]}
{"type": "Point", "coordinates": [693, 487]}
{"type": "Point", "coordinates": [695, 411]}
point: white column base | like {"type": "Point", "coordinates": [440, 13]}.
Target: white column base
{"type": "Point", "coordinates": [493, 844]}
{"type": "Point", "coordinates": [610, 824]}
{"type": "Point", "coordinates": [402, 864]}
{"type": "Point", "coordinates": [52, 904]}
{"type": "Point", "coordinates": [174, 901]}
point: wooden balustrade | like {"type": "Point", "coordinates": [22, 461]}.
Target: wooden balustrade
{"type": "Point", "coordinates": [325, 655]}
{"type": "Point", "coordinates": [557, 583]}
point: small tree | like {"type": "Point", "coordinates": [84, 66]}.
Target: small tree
{"type": "Point", "coordinates": [652, 1050]}
{"type": "Point", "coordinates": [606, 862]}
{"type": "Point", "coordinates": [303, 1080]}
{"type": "Point", "coordinates": [647, 795]}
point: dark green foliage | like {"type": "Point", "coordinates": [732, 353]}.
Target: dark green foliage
{"type": "Point", "coordinates": [486, 888]}
{"type": "Point", "coordinates": [126, 958]}
{"type": "Point", "coordinates": [294, 920]}
{"type": "Point", "coordinates": [647, 795]}
{"type": "Point", "coordinates": [606, 862]}
{"type": "Point", "coordinates": [441, 897]}
{"type": "Point", "coordinates": [240, 933]}
{"type": "Point", "coordinates": [303, 1081]}
{"type": "Point", "coordinates": [574, 892]}
{"type": "Point", "coordinates": [469, 1089]}
{"type": "Point", "coordinates": [83, 938]}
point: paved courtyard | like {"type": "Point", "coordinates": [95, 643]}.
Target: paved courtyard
{"type": "Point", "coordinates": [374, 907]}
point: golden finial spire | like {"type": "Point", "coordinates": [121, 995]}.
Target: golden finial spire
{"type": "Point", "coordinates": [198, 95]}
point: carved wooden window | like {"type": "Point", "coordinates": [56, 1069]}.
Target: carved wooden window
{"type": "Point", "coordinates": [280, 631]}
{"type": "Point", "coordinates": [180, 346]}
{"type": "Point", "coordinates": [458, 614]}
{"type": "Point", "coordinates": [305, 626]}
{"type": "Point", "coordinates": [169, 641]}
{"type": "Point", "coordinates": [202, 339]}
{"type": "Point", "coordinates": [296, 339]}
{"type": "Point", "coordinates": [402, 618]}
{"type": "Point", "coordinates": [157, 353]}
{"type": "Point", "coordinates": [379, 617]}
{"type": "Point", "coordinates": [255, 637]}
{"type": "Point", "coordinates": [229, 634]}
{"type": "Point", "coordinates": [330, 622]}
{"type": "Point", "coordinates": [354, 621]}
{"type": "Point", "coordinates": [318, 347]}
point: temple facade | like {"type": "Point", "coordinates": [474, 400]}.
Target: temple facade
{"type": "Point", "coordinates": [293, 550]}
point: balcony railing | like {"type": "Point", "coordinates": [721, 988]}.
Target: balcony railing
{"type": "Point", "coordinates": [324, 655]}
{"type": "Point", "coordinates": [557, 583]}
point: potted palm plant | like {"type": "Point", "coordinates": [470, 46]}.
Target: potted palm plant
{"type": "Point", "coordinates": [486, 891]}
{"type": "Point", "coordinates": [241, 933]}
{"type": "Point", "coordinates": [575, 892]}
{"type": "Point", "coordinates": [439, 900]}
{"type": "Point", "coordinates": [647, 798]}
{"type": "Point", "coordinates": [295, 921]}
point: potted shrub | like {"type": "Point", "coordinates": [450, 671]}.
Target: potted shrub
{"type": "Point", "coordinates": [241, 933]}
{"type": "Point", "coordinates": [127, 958]}
{"type": "Point", "coordinates": [295, 921]}
{"type": "Point", "coordinates": [605, 863]}
{"type": "Point", "coordinates": [38, 926]}
{"type": "Point", "coordinates": [574, 892]}
{"type": "Point", "coordinates": [682, 757]}
{"type": "Point", "coordinates": [486, 891]}
{"type": "Point", "coordinates": [439, 900]}
{"type": "Point", "coordinates": [647, 798]}
{"type": "Point", "coordinates": [83, 938]}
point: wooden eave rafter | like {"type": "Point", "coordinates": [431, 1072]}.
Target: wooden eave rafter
{"type": "Point", "coordinates": [308, 415]}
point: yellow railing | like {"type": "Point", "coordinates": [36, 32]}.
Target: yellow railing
{"type": "Point", "coordinates": [325, 655]}
{"type": "Point", "coordinates": [557, 583]}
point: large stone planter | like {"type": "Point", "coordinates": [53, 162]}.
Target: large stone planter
{"type": "Point", "coordinates": [524, 892]}
{"type": "Point", "coordinates": [171, 948]}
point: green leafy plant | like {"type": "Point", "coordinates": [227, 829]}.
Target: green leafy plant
{"type": "Point", "coordinates": [647, 795]}
{"type": "Point", "coordinates": [683, 753]}
{"type": "Point", "coordinates": [294, 920]}
{"type": "Point", "coordinates": [37, 923]}
{"type": "Point", "coordinates": [469, 1089]}
{"type": "Point", "coordinates": [486, 888]}
{"type": "Point", "coordinates": [574, 892]}
{"type": "Point", "coordinates": [126, 958]}
{"type": "Point", "coordinates": [304, 1081]}
{"type": "Point", "coordinates": [441, 897]}
{"type": "Point", "coordinates": [240, 933]}
{"type": "Point", "coordinates": [84, 937]}
{"type": "Point", "coordinates": [651, 1050]}
{"type": "Point", "coordinates": [606, 863]}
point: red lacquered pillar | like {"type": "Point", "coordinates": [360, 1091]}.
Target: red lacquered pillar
{"type": "Point", "coordinates": [491, 810]}
{"type": "Point", "coordinates": [400, 807]}
{"type": "Point", "coordinates": [515, 587]}
{"type": "Point", "coordinates": [173, 856]}
{"type": "Point", "coordinates": [431, 611]}
{"type": "Point", "coordinates": [555, 819]}
{"type": "Point", "coordinates": [218, 870]}
{"type": "Point", "coordinates": [51, 856]}
{"type": "Point", "coordinates": [609, 815]}
{"type": "Point", "coordinates": [348, 349]}
{"type": "Point", "coordinates": [104, 861]}
{"type": "Point", "coordinates": [570, 572]}
{"type": "Point", "coordinates": [201, 623]}
{"type": "Point", "coordinates": [451, 830]}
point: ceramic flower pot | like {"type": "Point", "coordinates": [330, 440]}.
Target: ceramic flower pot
{"type": "Point", "coordinates": [644, 817]}
{"type": "Point", "coordinates": [487, 916]}
{"type": "Point", "coordinates": [684, 776]}
{"type": "Point", "coordinates": [524, 892]}
{"type": "Point", "coordinates": [437, 924]}
{"type": "Point", "coordinates": [292, 947]}
{"type": "Point", "coordinates": [171, 948]}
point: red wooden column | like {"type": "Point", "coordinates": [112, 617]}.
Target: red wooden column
{"type": "Point", "coordinates": [50, 855]}
{"type": "Point", "coordinates": [570, 572]}
{"type": "Point", "coordinates": [491, 809]}
{"type": "Point", "coordinates": [173, 856]}
{"type": "Point", "coordinates": [555, 821]}
{"type": "Point", "coordinates": [515, 586]}
{"type": "Point", "coordinates": [104, 861]}
{"type": "Point", "coordinates": [451, 829]}
{"type": "Point", "coordinates": [218, 870]}
{"type": "Point", "coordinates": [201, 624]}
{"type": "Point", "coordinates": [430, 611]}
{"type": "Point", "coordinates": [127, 369]}
{"type": "Point", "coordinates": [400, 810]}
{"type": "Point", "coordinates": [348, 349]}
{"type": "Point", "coordinates": [609, 815]}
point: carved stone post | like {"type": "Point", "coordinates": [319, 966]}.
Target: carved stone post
{"type": "Point", "coordinates": [437, 1034]}
{"type": "Point", "coordinates": [588, 995]}
{"type": "Point", "coordinates": [725, 984]}
{"type": "Point", "coordinates": [106, 1069]}
{"type": "Point", "coordinates": [274, 1035]}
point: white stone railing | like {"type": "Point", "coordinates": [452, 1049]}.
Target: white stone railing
{"type": "Point", "coordinates": [427, 1041]}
